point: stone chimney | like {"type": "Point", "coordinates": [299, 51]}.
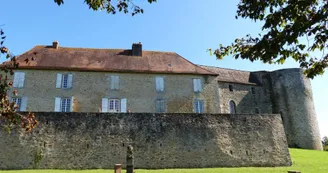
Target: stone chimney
{"type": "Point", "coordinates": [55, 44]}
{"type": "Point", "coordinates": [137, 49]}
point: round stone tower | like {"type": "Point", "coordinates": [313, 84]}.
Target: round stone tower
{"type": "Point", "coordinates": [291, 96]}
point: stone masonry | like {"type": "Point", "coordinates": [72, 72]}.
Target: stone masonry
{"type": "Point", "coordinates": [99, 140]}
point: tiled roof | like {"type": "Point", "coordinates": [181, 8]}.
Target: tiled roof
{"type": "Point", "coordinates": [114, 60]}
{"type": "Point", "coordinates": [233, 76]}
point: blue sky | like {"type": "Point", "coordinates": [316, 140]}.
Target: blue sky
{"type": "Point", "coordinates": [186, 27]}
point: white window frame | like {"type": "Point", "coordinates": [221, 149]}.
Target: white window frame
{"type": "Point", "coordinates": [198, 104]}
{"type": "Point", "coordinates": [160, 105]}
{"type": "Point", "coordinates": [114, 105]}
{"type": "Point", "coordinates": [66, 107]}
{"type": "Point", "coordinates": [21, 102]}
{"type": "Point", "coordinates": [197, 82]}
{"type": "Point", "coordinates": [159, 82]}
{"type": "Point", "coordinates": [18, 102]}
{"type": "Point", "coordinates": [64, 81]}
{"type": "Point", "coordinates": [115, 82]}
{"type": "Point", "coordinates": [19, 79]}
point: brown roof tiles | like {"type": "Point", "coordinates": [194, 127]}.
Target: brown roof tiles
{"type": "Point", "coordinates": [120, 60]}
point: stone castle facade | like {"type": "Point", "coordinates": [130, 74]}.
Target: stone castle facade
{"type": "Point", "coordinates": [61, 79]}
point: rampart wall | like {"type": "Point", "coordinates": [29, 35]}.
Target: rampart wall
{"type": "Point", "coordinates": [97, 140]}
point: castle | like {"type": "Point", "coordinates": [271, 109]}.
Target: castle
{"type": "Point", "coordinates": [63, 79]}
{"type": "Point", "coordinates": [92, 103]}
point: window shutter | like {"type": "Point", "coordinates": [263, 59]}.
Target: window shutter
{"type": "Point", "coordinates": [159, 84]}
{"type": "Point", "coordinates": [69, 81]}
{"type": "Point", "coordinates": [23, 104]}
{"type": "Point", "coordinates": [21, 79]}
{"type": "Point", "coordinates": [123, 105]}
{"type": "Point", "coordinates": [104, 105]}
{"type": "Point", "coordinates": [57, 104]}
{"type": "Point", "coordinates": [16, 80]}
{"type": "Point", "coordinates": [117, 82]}
{"type": "Point", "coordinates": [199, 81]}
{"type": "Point", "coordinates": [112, 82]}
{"type": "Point", "coordinates": [59, 80]}
{"type": "Point", "coordinates": [195, 81]}
{"type": "Point", "coordinates": [201, 106]}
{"type": "Point", "coordinates": [72, 101]}
{"type": "Point", "coordinates": [196, 106]}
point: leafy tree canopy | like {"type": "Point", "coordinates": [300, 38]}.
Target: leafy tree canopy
{"type": "Point", "coordinates": [112, 7]}
{"type": "Point", "coordinates": [286, 23]}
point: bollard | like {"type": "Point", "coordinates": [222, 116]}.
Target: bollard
{"type": "Point", "coordinates": [294, 171]}
{"type": "Point", "coordinates": [118, 168]}
{"type": "Point", "coordinates": [129, 160]}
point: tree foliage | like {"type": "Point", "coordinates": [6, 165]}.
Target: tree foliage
{"type": "Point", "coordinates": [285, 24]}
{"type": "Point", "coordinates": [112, 7]}
{"type": "Point", "coordinates": [9, 117]}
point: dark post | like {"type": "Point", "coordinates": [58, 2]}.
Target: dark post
{"type": "Point", "coordinates": [294, 171]}
{"type": "Point", "coordinates": [118, 168]}
{"type": "Point", "coordinates": [129, 159]}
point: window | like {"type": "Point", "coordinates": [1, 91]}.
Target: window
{"type": "Point", "coordinates": [115, 82]}
{"type": "Point", "coordinates": [160, 105]}
{"type": "Point", "coordinates": [199, 106]}
{"type": "Point", "coordinates": [232, 107]}
{"type": "Point", "coordinates": [257, 111]}
{"type": "Point", "coordinates": [197, 85]}
{"type": "Point", "coordinates": [63, 104]}
{"type": "Point", "coordinates": [21, 102]}
{"type": "Point", "coordinates": [159, 84]}
{"type": "Point", "coordinates": [253, 90]}
{"type": "Point", "coordinates": [18, 102]}
{"type": "Point", "coordinates": [64, 81]}
{"type": "Point", "coordinates": [19, 78]}
{"type": "Point", "coordinates": [230, 88]}
{"type": "Point", "coordinates": [114, 105]}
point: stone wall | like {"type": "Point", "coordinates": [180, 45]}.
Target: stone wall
{"type": "Point", "coordinates": [96, 140]}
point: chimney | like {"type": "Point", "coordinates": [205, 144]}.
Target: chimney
{"type": "Point", "coordinates": [137, 49]}
{"type": "Point", "coordinates": [55, 44]}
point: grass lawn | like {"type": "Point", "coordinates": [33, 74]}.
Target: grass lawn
{"type": "Point", "coordinates": [306, 161]}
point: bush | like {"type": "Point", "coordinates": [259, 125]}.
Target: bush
{"type": "Point", "coordinates": [325, 148]}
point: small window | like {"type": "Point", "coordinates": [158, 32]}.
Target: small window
{"type": "Point", "coordinates": [18, 101]}
{"type": "Point", "coordinates": [253, 90]}
{"type": "Point", "coordinates": [197, 85]}
{"type": "Point", "coordinates": [199, 106]}
{"type": "Point", "coordinates": [230, 88]}
{"type": "Point", "coordinates": [64, 81]}
{"type": "Point", "coordinates": [113, 105]}
{"type": "Point", "coordinates": [19, 78]}
{"type": "Point", "coordinates": [65, 105]}
{"type": "Point", "coordinates": [159, 84]}
{"type": "Point", "coordinates": [115, 82]}
{"type": "Point", "coordinates": [232, 106]}
{"type": "Point", "coordinates": [257, 111]}
{"type": "Point", "coordinates": [160, 105]}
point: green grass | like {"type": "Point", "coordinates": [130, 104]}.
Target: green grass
{"type": "Point", "coordinates": [306, 161]}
